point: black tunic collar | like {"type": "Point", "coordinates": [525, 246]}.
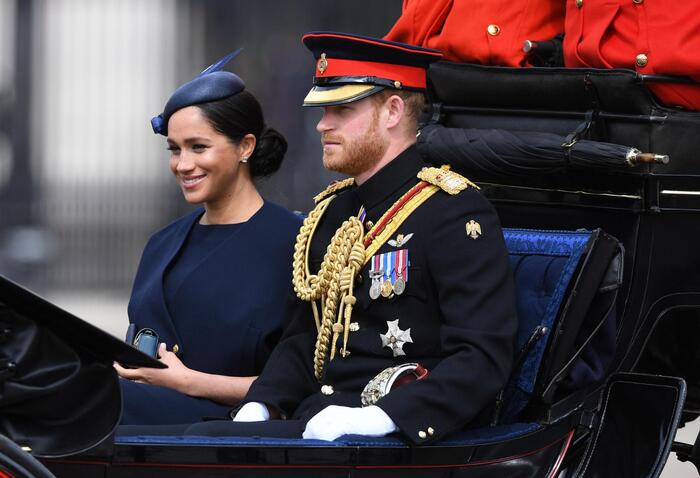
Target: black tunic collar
{"type": "Point", "coordinates": [384, 183]}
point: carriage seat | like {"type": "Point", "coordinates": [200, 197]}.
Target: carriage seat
{"type": "Point", "coordinates": [553, 271]}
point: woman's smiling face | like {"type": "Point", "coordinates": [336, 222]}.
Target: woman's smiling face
{"type": "Point", "coordinates": [205, 162]}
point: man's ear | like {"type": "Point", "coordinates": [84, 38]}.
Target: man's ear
{"type": "Point", "coordinates": [395, 111]}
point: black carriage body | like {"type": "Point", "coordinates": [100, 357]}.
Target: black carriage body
{"type": "Point", "coordinates": [650, 213]}
{"type": "Point", "coordinates": [654, 210]}
{"type": "Point", "coordinates": [561, 269]}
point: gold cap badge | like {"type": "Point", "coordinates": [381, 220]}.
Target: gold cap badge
{"type": "Point", "coordinates": [322, 63]}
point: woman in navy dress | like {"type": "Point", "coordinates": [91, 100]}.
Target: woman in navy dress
{"type": "Point", "coordinates": [213, 284]}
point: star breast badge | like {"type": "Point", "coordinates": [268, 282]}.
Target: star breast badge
{"type": "Point", "coordinates": [395, 338]}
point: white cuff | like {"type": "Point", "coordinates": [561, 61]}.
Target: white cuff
{"type": "Point", "coordinates": [252, 412]}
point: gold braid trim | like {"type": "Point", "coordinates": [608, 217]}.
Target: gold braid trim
{"type": "Point", "coordinates": [309, 287]}
{"type": "Point", "coordinates": [333, 284]}
{"type": "Point", "coordinates": [345, 256]}
{"type": "Point", "coordinates": [334, 188]}
{"type": "Point", "coordinates": [396, 220]}
{"type": "Point", "coordinates": [448, 181]}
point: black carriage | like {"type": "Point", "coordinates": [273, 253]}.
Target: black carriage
{"type": "Point", "coordinates": [603, 259]}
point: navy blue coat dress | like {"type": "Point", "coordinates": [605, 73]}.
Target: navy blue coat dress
{"type": "Point", "coordinates": [226, 313]}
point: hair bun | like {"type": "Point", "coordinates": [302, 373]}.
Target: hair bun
{"type": "Point", "coordinates": [269, 153]}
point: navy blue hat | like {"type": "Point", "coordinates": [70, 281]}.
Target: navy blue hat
{"type": "Point", "coordinates": [352, 67]}
{"type": "Point", "coordinates": [210, 85]}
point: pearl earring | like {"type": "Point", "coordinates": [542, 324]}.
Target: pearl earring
{"type": "Point", "coordinates": [244, 159]}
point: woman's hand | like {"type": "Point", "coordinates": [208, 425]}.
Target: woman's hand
{"type": "Point", "coordinates": [177, 376]}
{"type": "Point", "coordinates": [219, 388]}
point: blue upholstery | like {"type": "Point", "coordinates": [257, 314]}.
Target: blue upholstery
{"type": "Point", "coordinates": [543, 263]}
{"type": "Point", "coordinates": [476, 436]}
{"type": "Point", "coordinates": [481, 436]}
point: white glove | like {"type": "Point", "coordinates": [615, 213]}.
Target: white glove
{"type": "Point", "coordinates": [252, 412]}
{"type": "Point", "coordinates": [334, 421]}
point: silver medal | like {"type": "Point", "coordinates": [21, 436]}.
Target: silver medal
{"type": "Point", "coordinates": [399, 285]}
{"type": "Point", "coordinates": [375, 290]}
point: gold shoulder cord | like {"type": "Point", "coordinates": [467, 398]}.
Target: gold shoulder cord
{"type": "Point", "coordinates": [347, 253]}
{"type": "Point", "coordinates": [333, 284]}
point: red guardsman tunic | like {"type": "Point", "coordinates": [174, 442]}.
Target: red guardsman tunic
{"type": "Point", "coordinates": [649, 36]}
{"type": "Point", "coordinates": [477, 31]}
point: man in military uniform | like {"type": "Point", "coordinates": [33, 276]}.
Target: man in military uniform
{"type": "Point", "coordinates": [405, 267]}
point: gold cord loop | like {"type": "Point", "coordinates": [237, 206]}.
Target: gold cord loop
{"type": "Point", "coordinates": [347, 254]}
{"type": "Point", "coordinates": [333, 285]}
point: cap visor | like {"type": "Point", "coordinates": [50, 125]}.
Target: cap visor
{"type": "Point", "coordinates": [340, 94]}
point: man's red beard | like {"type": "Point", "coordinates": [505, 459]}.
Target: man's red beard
{"type": "Point", "coordinates": [359, 155]}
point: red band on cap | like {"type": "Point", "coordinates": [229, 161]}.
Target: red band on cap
{"type": "Point", "coordinates": [409, 76]}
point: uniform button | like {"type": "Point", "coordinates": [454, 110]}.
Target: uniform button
{"type": "Point", "coordinates": [431, 431]}
{"type": "Point", "coordinates": [579, 3]}
{"type": "Point", "coordinates": [327, 390]}
{"type": "Point", "coordinates": [354, 326]}
{"type": "Point", "coordinates": [369, 225]}
{"type": "Point", "coordinates": [422, 435]}
{"type": "Point", "coordinates": [637, 1]}
{"type": "Point", "coordinates": [493, 29]}
{"type": "Point", "coordinates": [359, 279]}
{"type": "Point", "coordinates": [642, 60]}
{"type": "Point", "coordinates": [176, 348]}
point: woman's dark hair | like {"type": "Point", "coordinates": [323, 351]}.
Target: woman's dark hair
{"type": "Point", "coordinates": [241, 114]}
